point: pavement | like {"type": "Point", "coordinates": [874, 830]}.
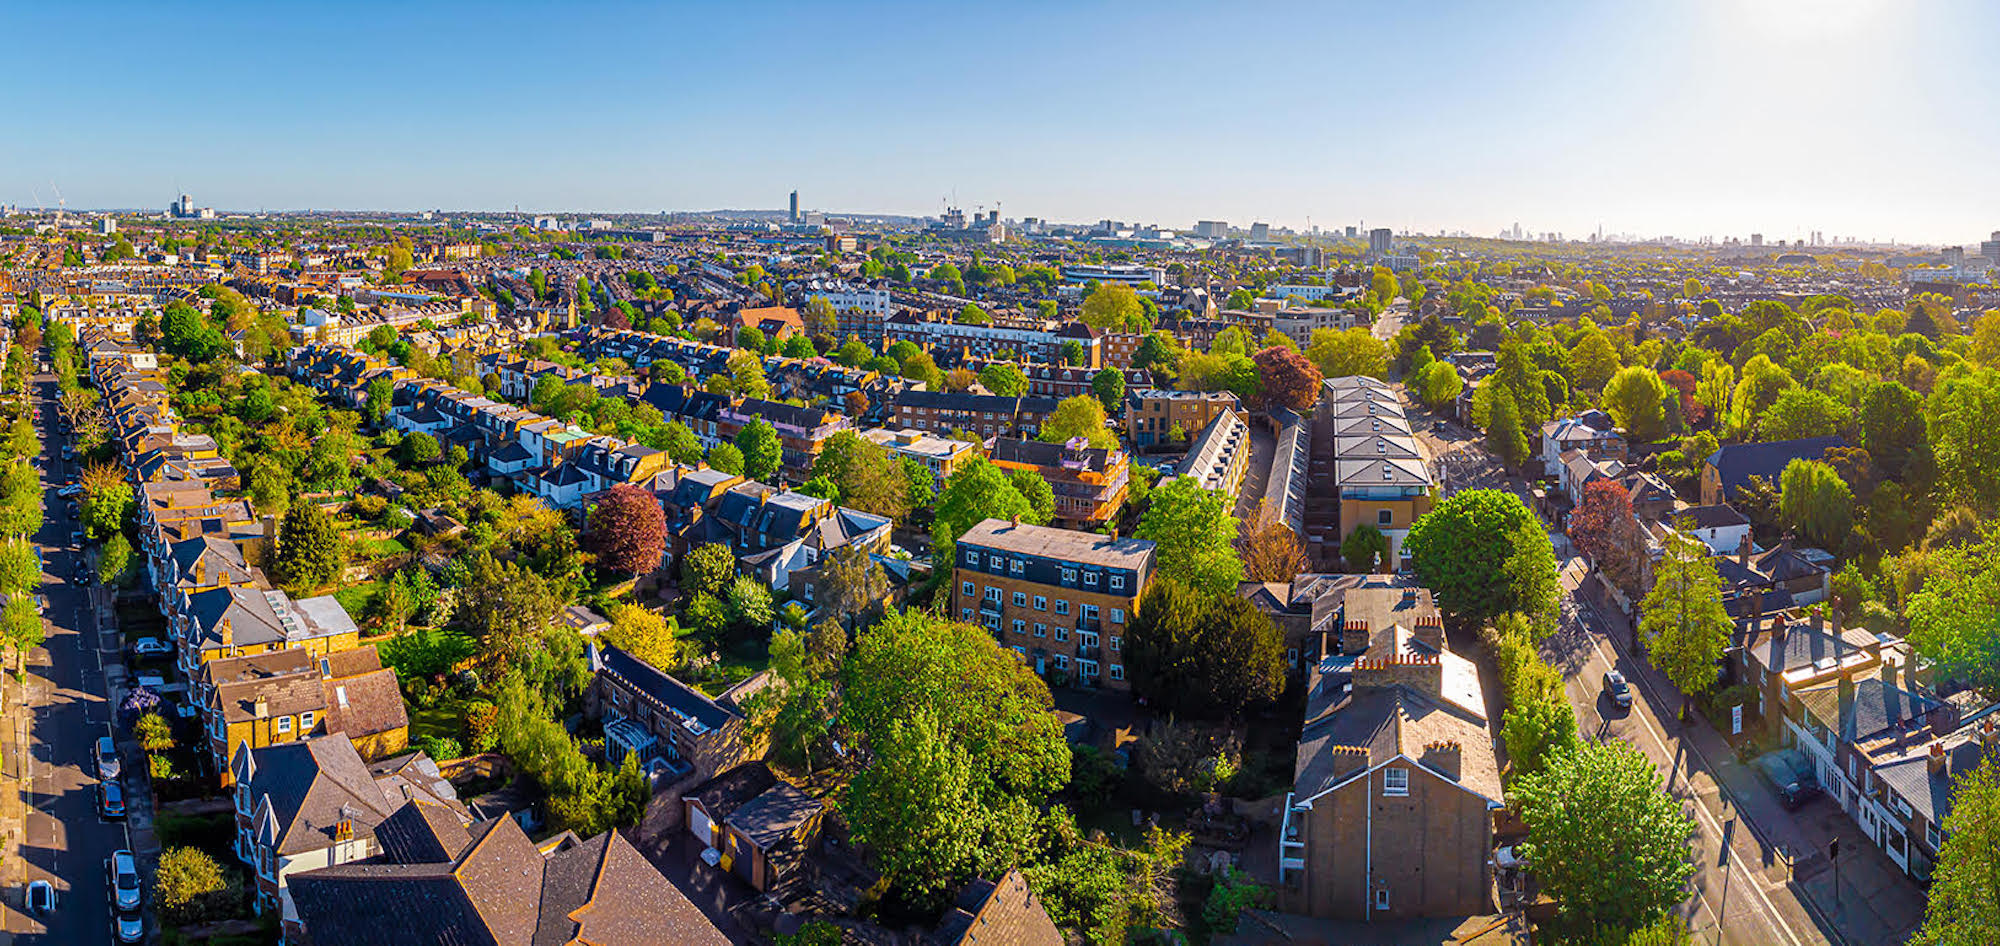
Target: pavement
{"type": "Point", "coordinates": [1762, 873]}
{"type": "Point", "coordinates": [64, 705]}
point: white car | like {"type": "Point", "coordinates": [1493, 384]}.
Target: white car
{"type": "Point", "coordinates": [73, 489]}
{"type": "Point", "coordinates": [121, 875]}
{"type": "Point", "coordinates": [41, 897]}
{"type": "Point", "coordinates": [151, 647]}
{"type": "Point", "coordinates": [106, 755]}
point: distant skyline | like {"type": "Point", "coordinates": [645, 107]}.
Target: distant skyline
{"type": "Point", "coordinates": [1854, 118]}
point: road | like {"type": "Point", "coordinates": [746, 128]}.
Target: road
{"type": "Point", "coordinates": [66, 841]}
{"type": "Point", "coordinates": [1733, 902]}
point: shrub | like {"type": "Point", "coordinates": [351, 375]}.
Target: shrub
{"type": "Point", "coordinates": [190, 886]}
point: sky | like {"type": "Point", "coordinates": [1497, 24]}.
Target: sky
{"type": "Point", "coordinates": [1869, 118]}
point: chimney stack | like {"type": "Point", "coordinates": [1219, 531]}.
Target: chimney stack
{"type": "Point", "coordinates": [1443, 757]}
{"type": "Point", "coordinates": [261, 708]}
{"type": "Point", "coordinates": [1430, 630]}
{"type": "Point", "coordinates": [1743, 551]}
{"type": "Point", "coordinates": [228, 633]}
{"type": "Point", "coordinates": [1354, 637]}
{"type": "Point", "coordinates": [1889, 672]}
{"type": "Point", "coordinates": [1936, 762]}
{"type": "Point", "coordinates": [1347, 760]}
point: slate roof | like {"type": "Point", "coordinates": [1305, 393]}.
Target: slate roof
{"type": "Point", "coordinates": [1006, 913]}
{"type": "Point", "coordinates": [668, 693]}
{"type": "Point", "coordinates": [1737, 462]}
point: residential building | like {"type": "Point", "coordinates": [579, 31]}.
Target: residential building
{"type": "Point", "coordinates": [1591, 432]}
{"type": "Point", "coordinates": [1089, 483]}
{"type": "Point", "coordinates": [983, 415]}
{"type": "Point", "coordinates": [1377, 475]}
{"type": "Point", "coordinates": [760, 826]}
{"type": "Point", "coordinates": [1391, 813]}
{"type": "Point", "coordinates": [942, 456]}
{"type": "Point", "coordinates": [1153, 416]}
{"type": "Point", "coordinates": [1730, 468]}
{"type": "Point", "coordinates": [1006, 913]}
{"type": "Point", "coordinates": [1060, 599]}
{"type": "Point", "coordinates": [438, 880]}
{"type": "Point", "coordinates": [1219, 455]}
{"type": "Point", "coordinates": [670, 726]}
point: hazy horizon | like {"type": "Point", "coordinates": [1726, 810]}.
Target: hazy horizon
{"type": "Point", "coordinates": [1853, 118]}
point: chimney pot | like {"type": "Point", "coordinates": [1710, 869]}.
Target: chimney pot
{"type": "Point", "coordinates": [1936, 762]}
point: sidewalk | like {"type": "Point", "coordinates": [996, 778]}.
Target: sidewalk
{"type": "Point", "coordinates": [1875, 902]}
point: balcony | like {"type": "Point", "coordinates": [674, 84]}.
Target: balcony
{"type": "Point", "coordinates": [987, 606]}
{"type": "Point", "coordinates": [1089, 652]}
{"type": "Point", "coordinates": [1093, 625]}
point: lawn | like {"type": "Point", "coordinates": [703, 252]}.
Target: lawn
{"type": "Point", "coordinates": [380, 548]}
{"type": "Point", "coordinates": [355, 598]}
{"type": "Point", "coordinates": [445, 719]}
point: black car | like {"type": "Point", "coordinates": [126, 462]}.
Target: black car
{"type": "Point", "coordinates": [1617, 690]}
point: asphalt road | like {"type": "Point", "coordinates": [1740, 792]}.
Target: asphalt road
{"type": "Point", "coordinates": [67, 842]}
{"type": "Point", "coordinates": [1732, 902]}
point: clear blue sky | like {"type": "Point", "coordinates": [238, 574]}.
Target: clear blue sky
{"type": "Point", "coordinates": [1855, 117]}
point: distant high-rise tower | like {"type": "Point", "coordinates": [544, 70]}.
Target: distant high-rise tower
{"type": "Point", "coordinates": [1379, 240]}
{"type": "Point", "coordinates": [795, 206]}
{"type": "Point", "coordinates": [1991, 248]}
{"type": "Point", "coordinates": [1260, 233]}
{"type": "Point", "coordinates": [1756, 239]}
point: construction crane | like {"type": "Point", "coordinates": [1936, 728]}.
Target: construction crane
{"type": "Point", "coordinates": [61, 205]}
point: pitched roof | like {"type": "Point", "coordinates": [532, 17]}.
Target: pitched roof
{"type": "Point", "coordinates": [1737, 462]}
{"type": "Point", "coordinates": [997, 914]}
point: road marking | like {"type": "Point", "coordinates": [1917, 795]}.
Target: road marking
{"type": "Point", "coordinates": [1756, 888]}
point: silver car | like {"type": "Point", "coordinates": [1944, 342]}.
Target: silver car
{"type": "Point", "coordinates": [121, 875]}
{"type": "Point", "coordinates": [106, 755]}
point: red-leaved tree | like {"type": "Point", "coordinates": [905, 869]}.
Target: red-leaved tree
{"type": "Point", "coordinates": [1604, 528]}
{"type": "Point", "coordinates": [626, 530]}
{"type": "Point", "coordinates": [1692, 411]}
{"type": "Point", "coordinates": [1289, 378]}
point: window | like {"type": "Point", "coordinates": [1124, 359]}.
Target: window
{"type": "Point", "coordinates": [1041, 603]}
{"type": "Point", "coordinates": [1086, 669]}
{"type": "Point", "coordinates": [1381, 898]}
{"type": "Point", "coordinates": [1020, 627]}
{"type": "Point", "coordinates": [965, 613]}
{"type": "Point", "coordinates": [1117, 615]}
{"type": "Point", "coordinates": [992, 594]}
{"type": "Point", "coordinates": [1017, 566]}
{"type": "Point", "coordinates": [1062, 633]}
{"type": "Point", "coordinates": [1090, 579]}
{"type": "Point", "coordinates": [1062, 662]}
{"type": "Point", "coordinates": [1932, 837]}
{"type": "Point", "coordinates": [968, 587]}
{"type": "Point", "coordinates": [1116, 641]}
{"type": "Point", "coordinates": [306, 721]}
{"type": "Point", "coordinates": [1090, 612]}
{"type": "Point", "coordinates": [1020, 599]}
{"type": "Point", "coordinates": [1086, 638]}
{"type": "Point", "coordinates": [972, 557]}
{"type": "Point", "coordinates": [1292, 657]}
{"type": "Point", "coordinates": [1062, 607]}
{"type": "Point", "coordinates": [284, 724]}
{"type": "Point", "coordinates": [1396, 781]}
{"type": "Point", "coordinates": [1118, 583]}
{"type": "Point", "coordinates": [1117, 671]}
{"type": "Point", "coordinates": [1041, 630]}
{"type": "Point", "coordinates": [993, 622]}
{"type": "Point", "coordinates": [1069, 576]}
{"type": "Point", "coordinates": [1384, 517]}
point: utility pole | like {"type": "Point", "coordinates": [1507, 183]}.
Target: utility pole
{"type": "Point", "coordinates": [1833, 854]}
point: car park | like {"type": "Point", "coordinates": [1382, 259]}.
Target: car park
{"type": "Point", "coordinates": [105, 753]}
{"type": "Point", "coordinates": [111, 800]}
{"type": "Point", "coordinates": [1617, 690]}
{"type": "Point", "coordinates": [121, 880]}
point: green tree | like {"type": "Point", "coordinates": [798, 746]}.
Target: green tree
{"type": "Point", "coordinates": [977, 491]}
{"type": "Point", "coordinates": [1636, 399]}
{"type": "Point", "coordinates": [1594, 360]}
{"type": "Point", "coordinates": [1504, 434]}
{"type": "Point", "coordinates": [681, 444]}
{"type": "Point", "coordinates": [1114, 307]}
{"type": "Point", "coordinates": [153, 733]}
{"type": "Point", "coordinates": [795, 714]}
{"type": "Point", "coordinates": [708, 569]}
{"type": "Point", "coordinates": [20, 567]}
{"type": "Point", "coordinates": [1109, 386]}
{"type": "Point", "coordinates": [1484, 554]}
{"type": "Point", "coordinates": [1606, 841]}
{"type": "Point", "coordinates": [1801, 412]}
{"type": "Point", "coordinates": [1195, 536]}
{"type": "Point", "coordinates": [1964, 904]}
{"type": "Point", "coordinates": [1076, 417]}
{"type": "Point", "coordinates": [1439, 385]}
{"type": "Point", "coordinates": [866, 475]}
{"type": "Point", "coordinates": [1682, 619]}
{"type": "Point", "coordinates": [962, 748]}
{"type": "Point", "coordinates": [189, 886]}
{"type": "Point", "coordinates": [1004, 379]}
{"type": "Point", "coordinates": [113, 561]}
{"type": "Point", "coordinates": [1955, 615]}
{"type": "Point", "coordinates": [311, 550]}
{"type": "Point", "coordinates": [1202, 655]}
{"type": "Point", "coordinates": [725, 457]}
{"type": "Point", "coordinates": [1959, 420]}
{"type": "Point", "coordinates": [1813, 499]}
{"type": "Point", "coordinates": [1365, 549]}
{"type": "Point", "coordinates": [1036, 490]}
{"type": "Point", "coordinates": [1892, 425]}
{"type": "Point", "coordinates": [21, 625]}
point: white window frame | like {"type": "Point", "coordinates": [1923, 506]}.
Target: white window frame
{"type": "Point", "coordinates": [1041, 603]}
{"type": "Point", "coordinates": [284, 723]}
{"type": "Point", "coordinates": [306, 721]}
{"type": "Point", "coordinates": [1117, 582]}
{"type": "Point", "coordinates": [1090, 579]}
{"type": "Point", "coordinates": [1020, 626]}
{"type": "Point", "coordinates": [1062, 633]}
{"type": "Point", "coordinates": [1041, 630]}
{"type": "Point", "coordinates": [1117, 671]}
{"type": "Point", "coordinates": [1396, 781]}
{"type": "Point", "coordinates": [970, 588]}
{"type": "Point", "coordinates": [1117, 615]}
{"type": "Point", "coordinates": [1020, 599]}
{"type": "Point", "coordinates": [1062, 606]}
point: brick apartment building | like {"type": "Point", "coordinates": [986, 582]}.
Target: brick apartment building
{"type": "Point", "coordinates": [1058, 598]}
{"type": "Point", "coordinates": [1089, 483]}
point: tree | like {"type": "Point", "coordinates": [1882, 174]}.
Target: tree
{"type": "Point", "coordinates": [1604, 528]}
{"type": "Point", "coordinates": [311, 551]}
{"type": "Point", "coordinates": [1605, 840]}
{"type": "Point", "coordinates": [1959, 419]}
{"type": "Point", "coordinates": [1194, 534]}
{"type": "Point", "coordinates": [1801, 412]}
{"type": "Point", "coordinates": [189, 886]}
{"type": "Point", "coordinates": [1955, 615]}
{"type": "Point", "coordinates": [20, 567]}
{"type": "Point", "coordinates": [1288, 378]}
{"type": "Point", "coordinates": [1462, 550]}
{"type": "Point", "coordinates": [1504, 434]}
{"type": "Point", "coordinates": [1892, 425]}
{"type": "Point", "coordinates": [680, 443]}
{"type": "Point", "coordinates": [1004, 379]}
{"type": "Point", "coordinates": [1271, 550]}
{"type": "Point", "coordinates": [1594, 359]}
{"type": "Point", "coordinates": [1964, 905]}
{"type": "Point", "coordinates": [1109, 386]}
{"type": "Point", "coordinates": [153, 733]}
{"type": "Point", "coordinates": [1365, 549]}
{"type": "Point", "coordinates": [1203, 655]}
{"type": "Point", "coordinates": [849, 585]}
{"type": "Point", "coordinates": [762, 451]}
{"type": "Point", "coordinates": [794, 715]}
{"type": "Point", "coordinates": [1077, 417]}
{"type": "Point", "coordinates": [21, 625]}
{"type": "Point", "coordinates": [919, 483]}
{"type": "Point", "coordinates": [1636, 399]}
{"type": "Point", "coordinates": [1813, 499]}
{"type": "Point", "coordinates": [626, 530]}
{"type": "Point", "coordinates": [961, 748]}
{"type": "Point", "coordinates": [1113, 307]}
{"type": "Point", "coordinates": [113, 560]}
{"type": "Point", "coordinates": [1439, 385]}
{"type": "Point", "coordinates": [1683, 621]}
{"type": "Point", "coordinates": [708, 569]}
{"type": "Point", "coordinates": [106, 500]}
{"type": "Point", "coordinates": [1348, 353]}
{"type": "Point", "coordinates": [422, 448]}
{"type": "Point", "coordinates": [977, 491]}
{"type": "Point", "coordinates": [1036, 490]}
{"type": "Point", "coordinates": [867, 476]}
{"type": "Point", "coordinates": [725, 457]}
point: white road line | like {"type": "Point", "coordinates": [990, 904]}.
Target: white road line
{"type": "Point", "coordinates": [1701, 810]}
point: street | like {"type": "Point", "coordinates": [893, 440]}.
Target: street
{"type": "Point", "coordinates": [1736, 898]}
{"type": "Point", "coordinates": [66, 841]}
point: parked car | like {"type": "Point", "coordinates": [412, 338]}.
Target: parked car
{"type": "Point", "coordinates": [151, 647]}
{"type": "Point", "coordinates": [111, 800]}
{"type": "Point", "coordinates": [106, 755]}
{"type": "Point", "coordinates": [1617, 690]}
{"type": "Point", "coordinates": [129, 928]}
{"type": "Point", "coordinates": [42, 897]}
{"type": "Point", "coordinates": [121, 878]}
{"type": "Point", "coordinates": [1790, 775]}
{"type": "Point", "coordinates": [73, 489]}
